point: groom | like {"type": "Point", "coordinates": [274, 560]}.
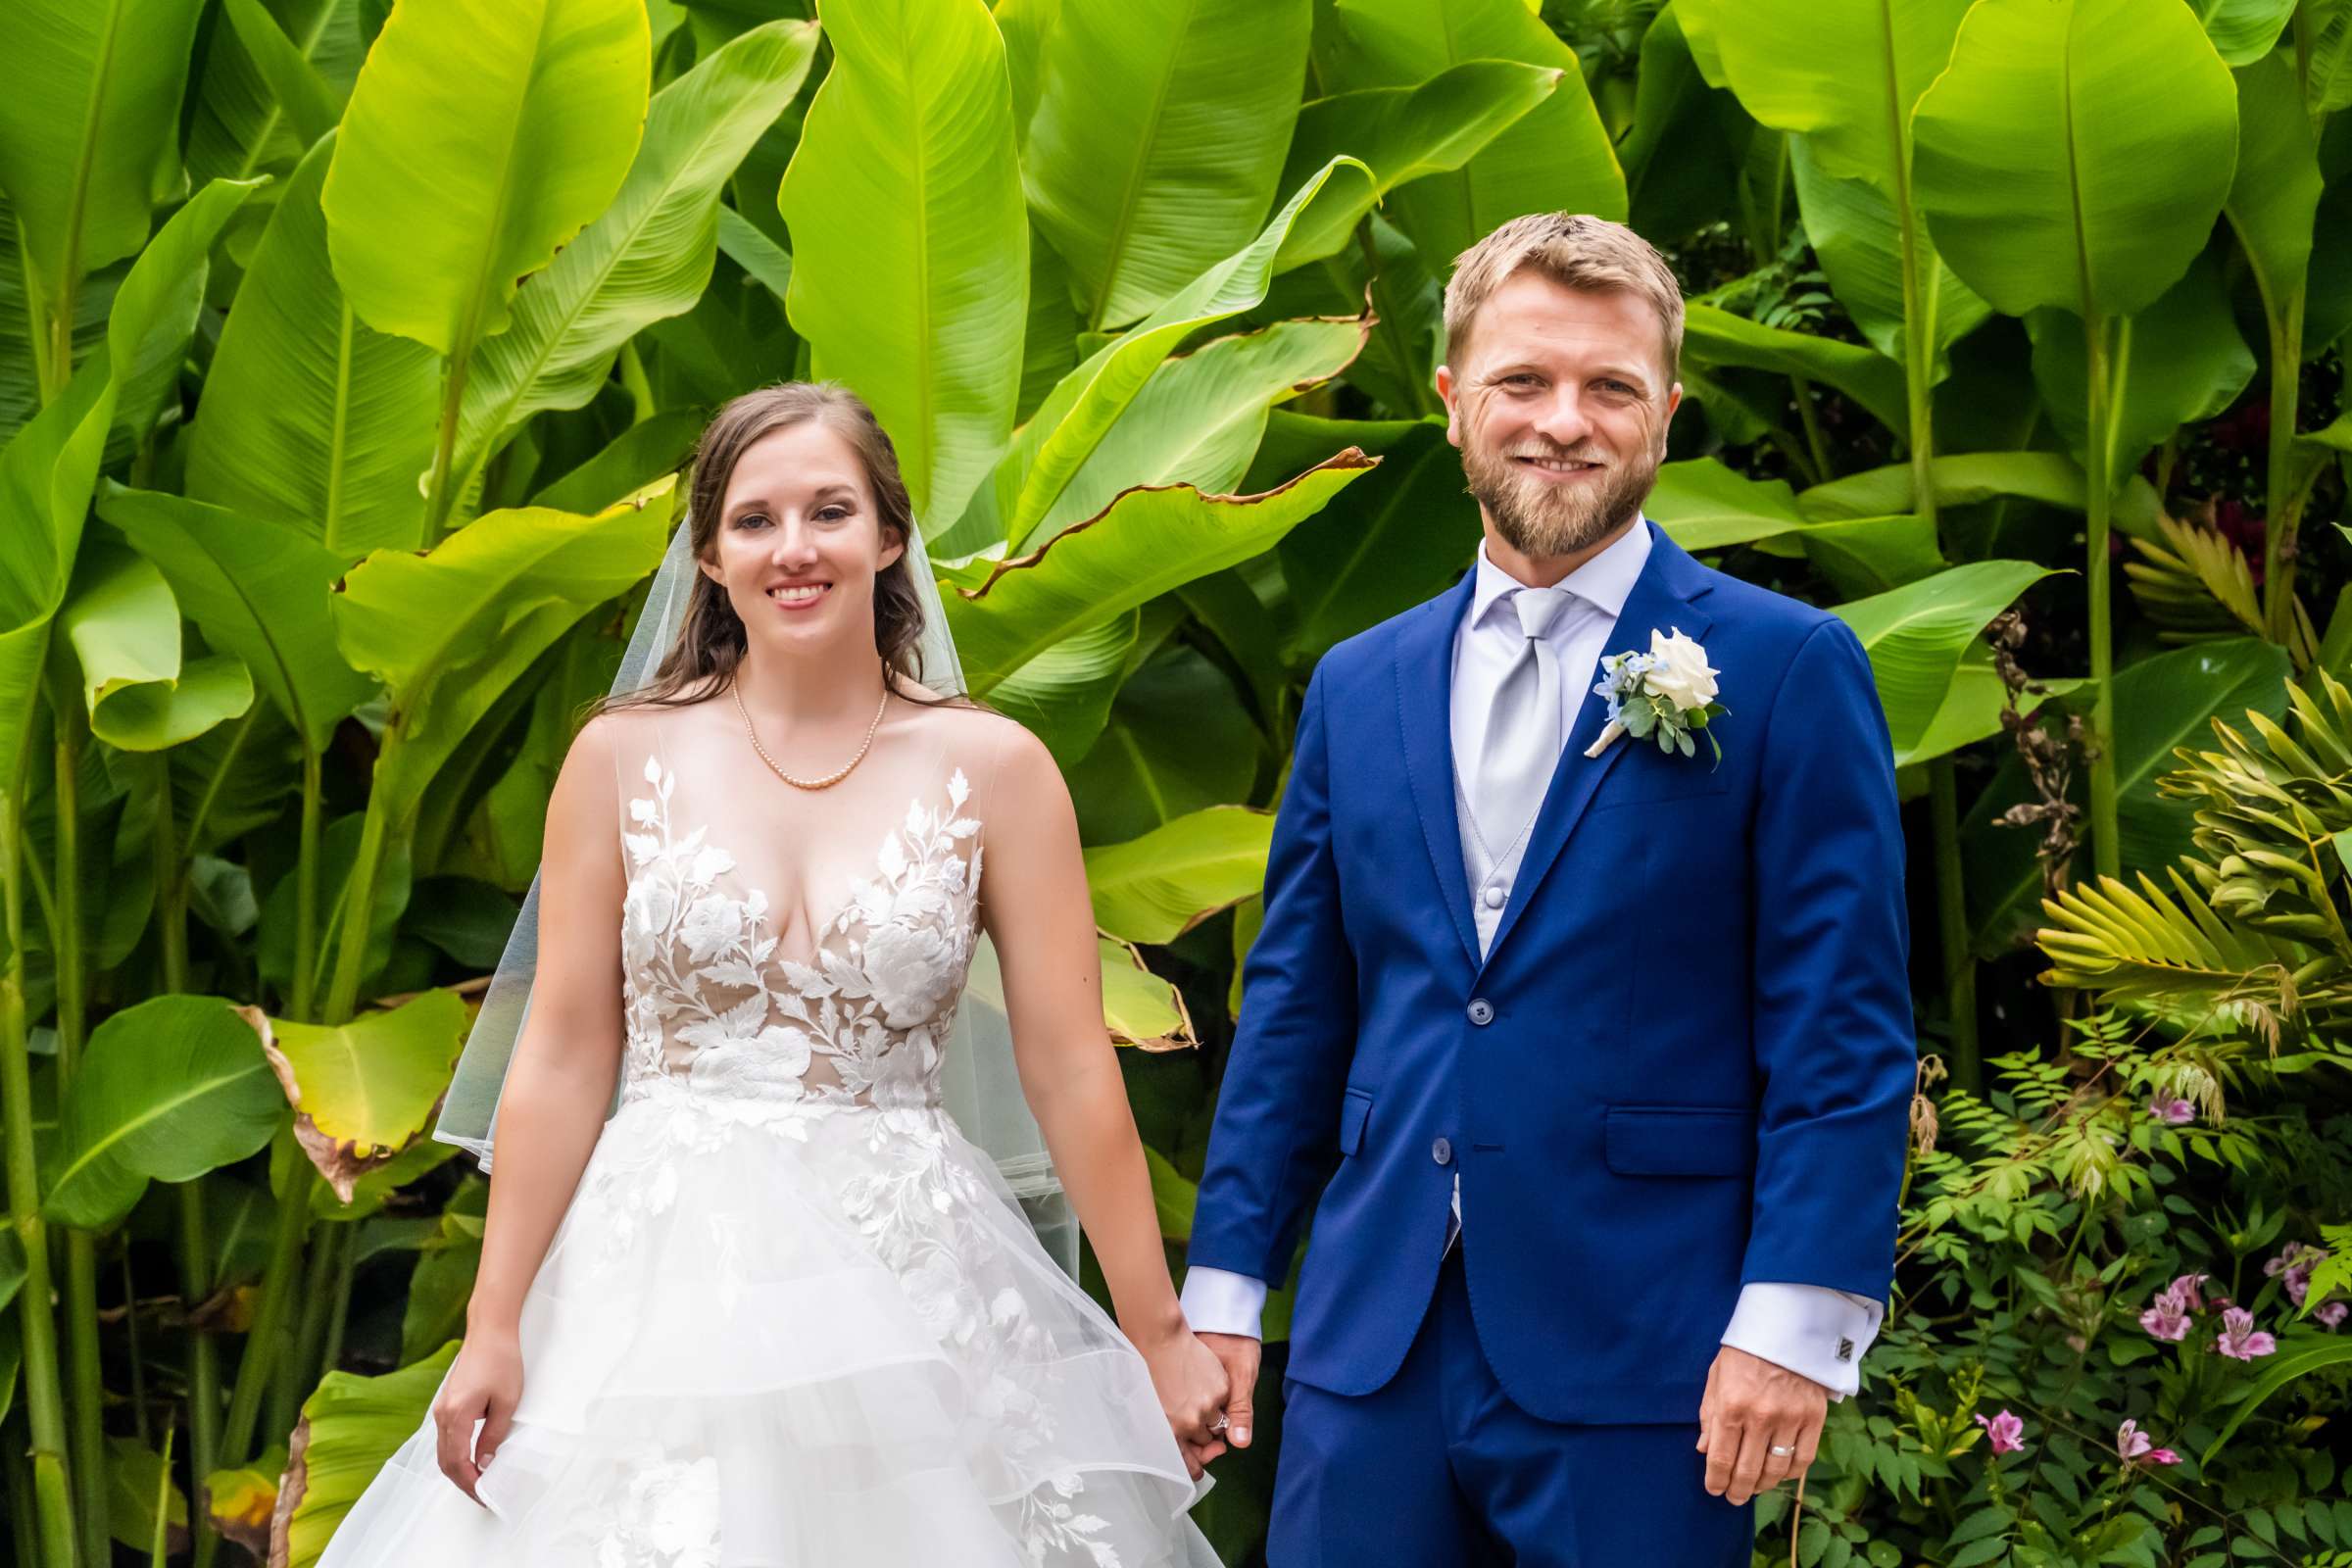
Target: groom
{"type": "Point", "coordinates": [1599, 1063]}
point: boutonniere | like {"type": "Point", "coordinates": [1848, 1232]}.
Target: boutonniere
{"type": "Point", "coordinates": [1665, 694]}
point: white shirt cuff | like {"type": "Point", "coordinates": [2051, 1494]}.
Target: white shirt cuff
{"type": "Point", "coordinates": [1811, 1330]}
{"type": "Point", "coordinates": [1217, 1300]}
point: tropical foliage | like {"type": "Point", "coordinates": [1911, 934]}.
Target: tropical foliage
{"type": "Point", "coordinates": [348, 349]}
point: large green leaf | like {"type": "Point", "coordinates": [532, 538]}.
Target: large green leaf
{"type": "Point", "coordinates": [1393, 538]}
{"type": "Point", "coordinates": [362, 1092]}
{"type": "Point", "coordinates": [1082, 408]}
{"type": "Point", "coordinates": [145, 1507]}
{"type": "Point", "coordinates": [1063, 694]}
{"type": "Point", "coordinates": [910, 245]}
{"type": "Point", "coordinates": [1972, 706]}
{"type": "Point", "coordinates": [48, 468]}
{"type": "Point", "coordinates": [89, 126]}
{"type": "Point", "coordinates": [1198, 421]}
{"type": "Point", "coordinates": [2183, 361]}
{"type": "Point", "coordinates": [1684, 151]}
{"type": "Point", "coordinates": [1143, 544]}
{"type": "Point", "coordinates": [310, 416]}
{"type": "Point", "coordinates": [1155, 888]}
{"type": "Point", "coordinates": [478, 141]}
{"type": "Point", "coordinates": [1916, 635]}
{"type": "Point", "coordinates": [349, 1428]}
{"type": "Point", "coordinates": [1159, 132]}
{"type": "Point", "coordinates": [1715, 338]}
{"type": "Point", "coordinates": [1857, 233]}
{"type": "Point", "coordinates": [1965, 477]}
{"type": "Point", "coordinates": [2298, 1360]}
{"type": "Point", "coordinates": [2275, 195]}
{"type": "Point", "coordinates": [124, 626]}
{"type": "Point", "coordinates": [2161, 703]}
{"type": "Point", "coordinates": [1179, 741]}
{"type": "Point", "coordinates": [2244, 31]}
{"type": "Point", "coordinates": [1557, 157]}
{"type": "Point", "coordinates": [169, 1089]}
{"type": "Point", "coordinates": [1402, 134]}
{"type": "Point", "coordinates": [2075, 152]}
{"type": "Point", "coordinates": [255, 106]}
{"type": "Point", "coordinates": [1843, 73]}
{"type": "Point", "coordinates": [450, 630]}
{"type": "Point", "coordinates": [1702, 505]}
{"type": "Point", "coordinates": [649, 255]}
{"type": "Point", "coordinates": [258, 590]}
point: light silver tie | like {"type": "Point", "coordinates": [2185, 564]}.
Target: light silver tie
{"type": "Point", "coordinates": [1523, 727]}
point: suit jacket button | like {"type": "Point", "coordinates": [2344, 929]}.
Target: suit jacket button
{"type": "Point", "coordinates": [1442, 1152]}
{"type": "Point", "coordinates": [1482, 1011]}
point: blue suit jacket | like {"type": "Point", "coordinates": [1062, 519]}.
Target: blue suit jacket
{"type": "Point", "coordinates": [1684, 1065]}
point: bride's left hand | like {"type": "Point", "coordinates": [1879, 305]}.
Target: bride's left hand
{"type": "Point", "coordinates": [1193, 1389]}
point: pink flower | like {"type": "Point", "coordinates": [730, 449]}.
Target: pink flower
{"type": "Point", "coordinates": [2295, 1261]}
{"type": "Point", "coordinates": [2239, 1339]}
{"type": "Point", "coordinates": [2006, 1431]}
{"type": "Point", "coordinates": [2166, 1318]}
{"type": "Point", "coordinates": [2134, 1446]}
{"type": "Point", "coordinates": [2332, 1313]}
{"type": "Point", "coordinates": [2172, 1113]}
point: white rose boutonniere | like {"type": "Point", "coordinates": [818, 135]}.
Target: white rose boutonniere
{"type": "Point", "coordinates": [1664, 695]}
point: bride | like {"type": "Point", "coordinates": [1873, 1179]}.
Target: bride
{"type": "Point", "coordinates": [778, 1309]}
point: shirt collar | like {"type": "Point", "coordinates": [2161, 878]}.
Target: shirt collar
{"type": "Point", "coordinates": [1605, 582]}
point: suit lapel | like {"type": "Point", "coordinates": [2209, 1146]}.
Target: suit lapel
{"type": "Point", "coordinates": [1425, 715]}
{"type": "Point", "coordinates": [1661, 601]}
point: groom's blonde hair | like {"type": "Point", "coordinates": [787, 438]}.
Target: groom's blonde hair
{"type": "Point", "coordinates": [1575, 250]}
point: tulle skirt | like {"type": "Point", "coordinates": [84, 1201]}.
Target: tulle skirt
{"type": "Point", "coordinates": [777, 1335]}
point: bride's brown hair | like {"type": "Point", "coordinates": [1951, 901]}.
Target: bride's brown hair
{"type": "Point", "coordinates": [711, 640]}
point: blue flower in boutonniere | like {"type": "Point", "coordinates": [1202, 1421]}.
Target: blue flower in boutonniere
{"type": "Point", "coordinates": [1663, 695]}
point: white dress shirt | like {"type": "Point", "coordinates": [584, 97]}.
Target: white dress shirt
{"type": "Point", "coordinates": [1811, 1330]}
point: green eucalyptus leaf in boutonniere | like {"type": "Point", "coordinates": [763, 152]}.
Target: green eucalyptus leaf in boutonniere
{"type": "Point", "coordinates": [1664, 695]}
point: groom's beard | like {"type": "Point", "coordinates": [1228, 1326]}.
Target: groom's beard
{"type": "Point", "coordinates": [1540, 518]}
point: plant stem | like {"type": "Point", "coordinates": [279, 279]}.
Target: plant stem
{"type": "Point", "coordinates": [2284, 498]}
{"type": "Point", "coordinates": [359, 898]}
{"type": "Point", "coordinates": [266, 1343]}
{"type": "Point", "coordinates": [138, 1373]}
{"type": "Point", "coordinates": [2105, 848]}
{"type": "Point", "coordinates": [86, 1410]}
{"type": "Point", "coordinates": [304, 1002]}
{"type": "Point", "coordinates": [1951, 919]}
{"type": "Point", "coordinates": [1823, 469]}
{"type": "Point", "coordinates": [1943, 785]}
{"type": "Point", "coordinates": [440, 494]}
{"type": "Point", "coordinates": [347, 1260]}
{"type": "Point", "coordinates": [299, 1372]}
{"type": "Point", "coordinates": [195, 1252]}
{"type": "Point", "coordinates": [44, 1397]}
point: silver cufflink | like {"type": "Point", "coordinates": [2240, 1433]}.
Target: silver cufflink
{"type": "Point", "coordinates": [1845, 1349]}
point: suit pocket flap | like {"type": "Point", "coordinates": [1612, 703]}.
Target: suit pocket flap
{"type": "Point", "coordinates": [1354, 1107]}
{"type": "Point", "coordinates": [1679, 1139]}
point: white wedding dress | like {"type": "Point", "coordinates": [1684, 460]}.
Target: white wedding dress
{"type": "Point", "coordinates": [791, 1317]}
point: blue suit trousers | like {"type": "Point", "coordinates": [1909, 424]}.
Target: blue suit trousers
{"type": "Point", "coordinates": [1439, 1469]}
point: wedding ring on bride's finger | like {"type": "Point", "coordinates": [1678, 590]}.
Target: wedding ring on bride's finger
{"type": "Point", "coordinates": [1220, 1424]}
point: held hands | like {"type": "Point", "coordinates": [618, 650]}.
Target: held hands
{"type": "Point", "coordinates": [1750, 1407]}
{"type": "Point", "coordinates": [1191, 1389]}
{"type": "Point", "coordinates": [484, 1385]}
{"type": "Point", "coordinates": [1239, 1354]}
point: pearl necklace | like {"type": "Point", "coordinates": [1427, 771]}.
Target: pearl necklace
{"type": "Point", "coordinates": [830, 779]}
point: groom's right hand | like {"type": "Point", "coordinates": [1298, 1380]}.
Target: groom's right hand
{"type": "Point", "coordinates": [1240, 1353]}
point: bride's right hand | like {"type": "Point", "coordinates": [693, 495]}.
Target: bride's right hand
{"type": "Point", "coordinates": [484, 1385]}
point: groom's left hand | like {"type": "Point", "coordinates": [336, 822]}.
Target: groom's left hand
{"type": "Point", "coordinates": [1750, 1407]}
